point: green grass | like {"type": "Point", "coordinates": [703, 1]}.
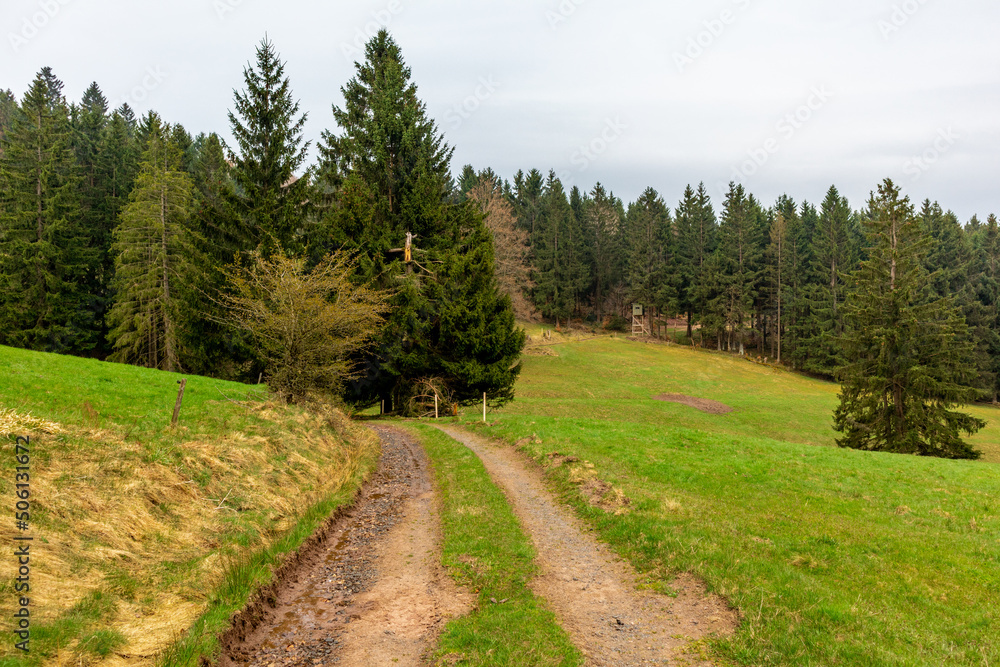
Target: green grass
{"type": "Point", "coordinates": [169, 504]}
{"type": "Point", "coordinates": [486, 550]}
{"type": "Point", "coordinates": [832, 556]}
{"type": "Point", "coordinates": [136, 401]}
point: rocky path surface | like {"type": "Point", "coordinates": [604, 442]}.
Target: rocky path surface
{"type": "Point", "coordinates": [593, 592]}
{"type": "Point", "coordinates": [373, 591]}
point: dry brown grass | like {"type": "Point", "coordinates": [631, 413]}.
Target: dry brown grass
{"type": "Point", "coordinates": [113, 515]}
{"type": "Point", "coordinates": [13, 422]}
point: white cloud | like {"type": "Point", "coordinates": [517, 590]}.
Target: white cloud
{"type": "Point", "coordinates": [559, 84]}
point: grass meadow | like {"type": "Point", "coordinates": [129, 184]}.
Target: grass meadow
{"type": "Point", "coordinates": [832, 556]}
{"type": "Point", "coordinates": [146, 536]}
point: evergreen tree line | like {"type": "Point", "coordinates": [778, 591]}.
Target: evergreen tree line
{"type": "Point", "coordinates": [120, 236]}
{"type": "Point", "coordinates": [767, 281]}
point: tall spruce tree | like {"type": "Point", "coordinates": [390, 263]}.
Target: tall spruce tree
{"type": "Point", "coordinates": [908, 350]}
{"type": "Point", "coordinates": [560, 269]}
{"type": "Point", "coordinates": [215, 192]}
{"type": "Point", "coordinates": [157, 262]}
{"type": "Point", "coordinates": [738, 267]}
{"type": "Point", "coordinates": [8, 108]}
{"type": "Point", "coordinates": [984, 319]}
{"type": "Point", "coordinates": [602, 229]}
{"type": "Point", "coordinates": [90, 120]}
{"type": "Point", "coordinates": [833, 254]}
{"type": "Point", "coordinates": [779, 265]}
{"type": "Point", "coordinates": [696, 232]}
{"type": "Point", "coordinates": [221, 350]}
{"type": "Point", "coordinates": [648, 249]}
{"type": "Point", "coordinates": [794, 253]}
{"type": "Point", "coordinates": [117, 166]}
{"type": "Point", "coordinates": [271, 198]}
{"type": "Point", "coordinates": [387, 174]}
{"type": "Point", "coordinates": [527, 200]}
{"type": "Point", "coordinates": [45, 252]}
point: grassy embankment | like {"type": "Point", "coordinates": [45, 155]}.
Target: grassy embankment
{"type": "Point", "coordinates": [832, 556]}
{"type": "Point", "coordinates": [147, 537]}
{"type": "Point", "coordinates": [486, 550]}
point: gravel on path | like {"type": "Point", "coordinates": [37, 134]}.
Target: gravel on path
{"type": "Point", "coordinates": [592, 591]}
{"type": "Point", "coordinates": [371, 591]}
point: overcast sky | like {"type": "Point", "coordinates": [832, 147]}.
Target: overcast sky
{"type": "Point", "coordinates": [786, 97]}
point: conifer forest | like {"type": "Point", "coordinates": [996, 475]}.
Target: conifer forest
{"type": "Point", "coordinates": [124, 237]}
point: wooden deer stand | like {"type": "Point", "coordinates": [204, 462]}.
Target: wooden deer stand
{"type": "Point", "coordinates": [639, 326]}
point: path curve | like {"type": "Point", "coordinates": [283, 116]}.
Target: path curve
{"type": "Point", "coordinates": [592, 592]}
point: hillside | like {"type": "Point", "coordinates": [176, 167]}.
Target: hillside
{"type": "Point", "coordinates": [136, 524]}
{"type": "Point", "coordinates": [831, 556]}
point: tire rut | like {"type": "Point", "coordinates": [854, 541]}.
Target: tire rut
{"type": "Point", "coordinates": [592, 592]}
{"type": "Point", "coordinates": [372, 592]}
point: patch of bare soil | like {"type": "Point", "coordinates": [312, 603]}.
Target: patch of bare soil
{"type": "Point", "coordinates": [703, 404]}
{"type": "Point", "coordinates": [593, 592]}
{"type": "Point", "coordinates": [370, 591]}
{"type": "Point", "coordinates": [595, 490]}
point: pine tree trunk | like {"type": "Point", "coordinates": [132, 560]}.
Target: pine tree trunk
{"type": "Point", "coordinates": [168, 325]}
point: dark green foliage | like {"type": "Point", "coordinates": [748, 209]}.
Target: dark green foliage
{"type": "Point", "coordinates": [270, 197]}
{"type": "Point", "coordinates": [648, 249]}
{"type": "Point", "coordinates": [696, 238]}
{"type": "Point", "coordinates": [8, 108]}
{"type": "Point", "coordinates": [833, 253]}
{"type": "Point", "coordinates": [157, 263]}
{"type": "Point", "coordinates": [984, 316]}
{"type": "Point", "coordinates": [738, 266]}
{"type": "Point", "coordinates": [90, 121]}
{"type": "Point", "coordinates": [220, 350]}
{"type": "Point", "coordinates": [528, 200]}
{"type": "Point", "coordinates": [215, 192]}
{"type": "Point", "coordinates": [117, 166]}
{"type": "Point", "coordinates": [559, 272]}
{"type": "Point", "coordinates": [601, 224]}
{"type": "Point", "coordinates": [471, 340]}
{"type": "Point", "coordinates": [466, 181]}
{"type": "Point", "coordinates": [794, 256]}
{"type": "Point", "coordinates": [45, 251]}
{"type": "Point", "coordinates": [385, 176]}
{"type": "Point", "coordinates": [388, 142]}
{"type": "Point", "coordinates": [909, 352]}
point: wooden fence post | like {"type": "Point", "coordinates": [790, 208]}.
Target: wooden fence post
{"type": "Point", "coordinates": [177, 405]}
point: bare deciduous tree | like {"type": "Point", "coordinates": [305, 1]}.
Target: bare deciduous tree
{"type": "Point", "coordinates": [510, 245]}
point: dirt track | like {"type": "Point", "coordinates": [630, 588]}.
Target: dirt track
{"type": "Point", "coordinates": [372, 592]}
{"type": "Point", "coordinates": [592, 592]}
{"type": "Point", "coordinates": [369, 590]}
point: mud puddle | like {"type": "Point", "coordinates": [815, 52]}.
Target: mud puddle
{"type": "Point", "coordinates": [371, 592]}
